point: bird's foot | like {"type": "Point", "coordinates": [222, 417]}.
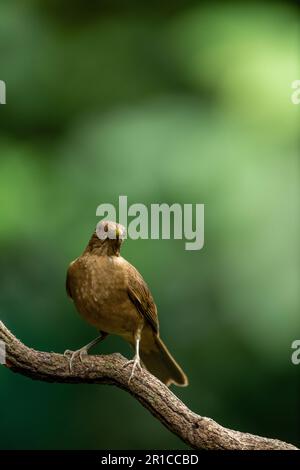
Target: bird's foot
{"type": "Point", "coordinates": [136, 364]}
{"type": "Point", "coordinates": [71, 356]}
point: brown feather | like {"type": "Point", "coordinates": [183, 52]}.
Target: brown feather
{"type": "Point", "coordinates": [141, 297]}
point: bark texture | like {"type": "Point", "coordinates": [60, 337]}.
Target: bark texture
{"type": "Point", "coordinates": [196, 431]}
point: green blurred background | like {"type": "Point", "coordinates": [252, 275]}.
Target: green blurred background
{"type": "Point", "coordinates": [163, 102]}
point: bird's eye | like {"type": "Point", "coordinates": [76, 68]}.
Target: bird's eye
{"type": "Point", "coordinates": [106, 228]}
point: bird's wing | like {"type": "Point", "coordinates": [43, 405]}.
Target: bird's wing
{"type": "Point", "coordinates": [68, 287]}
{"type": "Point", "coordinates": [68, 283]}
{"type": "Point", "coordinates": [141, 297]}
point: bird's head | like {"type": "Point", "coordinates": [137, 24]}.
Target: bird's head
{"type": "Point", "coordinates": [107, 239]}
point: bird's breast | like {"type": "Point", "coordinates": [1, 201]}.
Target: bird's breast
{"type": "Point", "coordinates": [99, 290]}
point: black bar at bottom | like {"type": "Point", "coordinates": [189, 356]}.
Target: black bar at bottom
{"type": "Point", "coordinates": [135, 459]}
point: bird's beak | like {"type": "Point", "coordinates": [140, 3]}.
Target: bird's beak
{"type": "Point", "coordinates": [118, 233]}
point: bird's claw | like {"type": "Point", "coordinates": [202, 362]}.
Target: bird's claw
{"type": "Point", "coordinates": [136, 364]}
{"type": "Point", "coordinates": [80, 352]}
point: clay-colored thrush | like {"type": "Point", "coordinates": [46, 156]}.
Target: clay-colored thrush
{"type": "Point", "coordinates": [111, 295]}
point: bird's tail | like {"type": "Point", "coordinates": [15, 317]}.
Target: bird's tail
{"type": "Point", "coordinates": [161, 364]}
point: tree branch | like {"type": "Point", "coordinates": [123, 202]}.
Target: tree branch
{"type": "Point", "coordinates": [196, 431]}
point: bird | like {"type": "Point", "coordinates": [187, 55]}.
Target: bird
{"type": "Point", "coordinates": [112, 296]}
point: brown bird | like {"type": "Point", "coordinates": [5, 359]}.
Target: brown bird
{"type": "Point", "coordinates": [112, 296]}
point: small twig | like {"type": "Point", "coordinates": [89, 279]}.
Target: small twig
{"type": "Point", "coordinates": [196, 431]}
